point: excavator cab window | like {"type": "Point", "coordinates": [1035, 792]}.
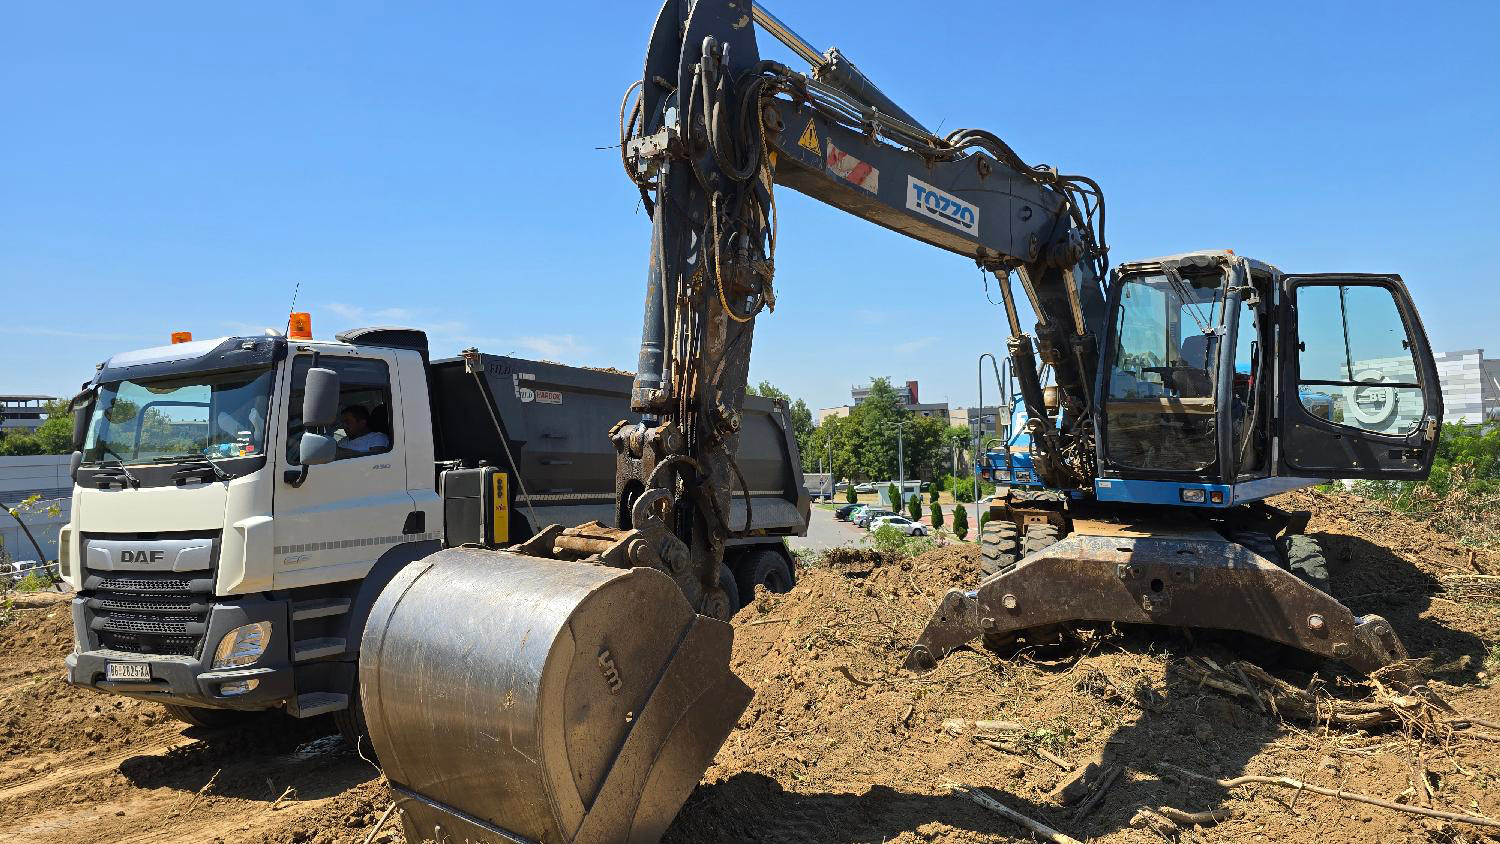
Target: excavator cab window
{"type": "Point", "coordinates": [1160, 408]}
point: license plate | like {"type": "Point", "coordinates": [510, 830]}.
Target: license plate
{"type": "Point", "coordinates": [127, 671]}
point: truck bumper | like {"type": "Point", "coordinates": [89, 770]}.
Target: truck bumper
{"type": "Point", "coordinates": [192, 680]}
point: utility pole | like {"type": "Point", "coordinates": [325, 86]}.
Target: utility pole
{"type": "Point", "coordinates": [900, 464]}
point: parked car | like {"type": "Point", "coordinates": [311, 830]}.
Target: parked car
{"type": "Point", "coordinates": [862, 518]}
{"type": "Point", "coordinates": [846, 512]}
{"type": "Point", "coordinates": [901, 523]}
{"type": "Point", "coordinates": [866, 487]}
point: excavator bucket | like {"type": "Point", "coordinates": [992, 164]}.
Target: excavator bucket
{"type": "Point", "coordinates": [513, 698]}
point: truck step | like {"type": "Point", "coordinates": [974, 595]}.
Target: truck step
{"type": "Point", "coordinates": [304, 650]}
{"type": "Point", "coordinates": [313, 704]}
{"type": "Point", "coordinates": [319, 608]}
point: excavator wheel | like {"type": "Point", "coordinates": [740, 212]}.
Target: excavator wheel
{"type": "Point", "coordinates": [764, 568]}
{"type": "Point", "coordinates": [1304, 555]}
{"type": "Point", "coordinates": [999, 546]}
{"type": "Point", "coordinates": [1039, 537]}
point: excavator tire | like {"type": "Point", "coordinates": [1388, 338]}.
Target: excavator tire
{"type": "Point", "coordinates": [1038, 538]}
{"type": "Point", "coordinates": [1305, 557]}
{"type": "Point", "coordinates": [999, 546]}
{"type": "Point", "coordinates": [513, 697]}
{"type": "Point", "coordinates": [210, 719]}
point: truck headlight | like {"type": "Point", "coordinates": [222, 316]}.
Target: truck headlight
{"type": "Point", "coordinates": [1192, 496]}
{"type": "Point", "coordinates": [242, 645]}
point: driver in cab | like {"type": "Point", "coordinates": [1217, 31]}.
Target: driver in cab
{"type": "Point", "coordinates": [358, 437]}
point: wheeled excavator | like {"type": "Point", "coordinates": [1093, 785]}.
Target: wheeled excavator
{"type": "Point", "coordinates": [573, 688]}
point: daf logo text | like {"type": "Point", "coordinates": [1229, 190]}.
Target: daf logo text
{"type": "Point", "coordinates": [152, 555]}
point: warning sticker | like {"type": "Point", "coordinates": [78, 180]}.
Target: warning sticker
{"type": "Point", "coordinates": [809, 139]}
{"type": "Point", "coordinates": [846, 166]}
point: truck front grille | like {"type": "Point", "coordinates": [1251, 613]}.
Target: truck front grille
{"type": "Point", "coordinates": [149, 613]}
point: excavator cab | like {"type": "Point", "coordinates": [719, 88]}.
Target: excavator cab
{"type": "Point", "coordinates": [1225, 381]}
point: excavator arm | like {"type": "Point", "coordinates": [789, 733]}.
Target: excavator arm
{"type": "Point", "coordinates": [713, 131]}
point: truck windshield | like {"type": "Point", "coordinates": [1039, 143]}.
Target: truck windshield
{"type": "Point", "coordinates": [1160, 408]}
{"type": "Point", "coordinates": [214, 415]}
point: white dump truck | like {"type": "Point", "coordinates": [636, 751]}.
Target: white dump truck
{"type": "Point", "coordinates": [239, 502]}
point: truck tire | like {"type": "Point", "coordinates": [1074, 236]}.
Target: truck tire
{"type": "Point", "coordinates": [210, 719]}
{"type": "Point", "coordinates": [1038, 538]}
{"type": "Point", "coordinates": [1305, 557]}
{"type": "Point", "coordinates": [1260, 543]}
{"type": "Point", "coordinates": [732, 589]}
{"type": "Point", "coordinates": [761, 568]}
{"type": "Point", "coordinates": [351, 723]}
{"type": "Point", "coordinates": [999, 547]}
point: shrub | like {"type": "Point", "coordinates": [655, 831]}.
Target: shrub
{"type": "Point", "coordinates": [888, 540]}
{"type": "Point", "coordinates": [963, 489]}
{"type": "Point", "coordinates": [894, 495]}
{"type": "Point", "coordinates": [933, 489]}
{"type": "Point", "coordinates": [960, 522]}
{"type": "Point", "coordinates": [937, 515]}
{"type": "Point", "coordinates": [914, 508]}
{"type": "Point", "coordinates": [850, 495]}
{"type": "Point", "coordinates": [984, 516]}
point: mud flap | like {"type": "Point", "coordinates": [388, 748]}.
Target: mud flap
{"type": "Point", "coordinates": [513, 698]}
{"type": "Point", "coordinates": [1165, 581]}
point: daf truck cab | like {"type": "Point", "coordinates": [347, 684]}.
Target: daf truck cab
{"type": "Point", "coordinates": [239, 502]}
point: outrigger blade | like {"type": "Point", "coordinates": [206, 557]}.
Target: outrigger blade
{"type": "Point", "coordinates": [513, 698]}
{"type": "Point", "coordinates": [1174, 582]}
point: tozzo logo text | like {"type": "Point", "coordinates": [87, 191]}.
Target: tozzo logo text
{"type": "Point", "coordinates": [931, 202]}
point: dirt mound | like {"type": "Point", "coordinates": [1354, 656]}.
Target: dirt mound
{"type": "Point", "coordinates": [841, 744]}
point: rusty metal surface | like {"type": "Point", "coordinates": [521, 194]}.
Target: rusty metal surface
{"type": "Point", "coordinates": [1206, 583]}
{"type": "Point", "coordinates": [517, 698]}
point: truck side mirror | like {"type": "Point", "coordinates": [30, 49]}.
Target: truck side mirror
{"type": "Point", "coordinates": [73, 464]}
{"type": "Point", "coordinates": [317, 449]}
{"type": "Point", "coordinates": [81, 425]}
{"type": "Point", "coordinates": [320, 398]}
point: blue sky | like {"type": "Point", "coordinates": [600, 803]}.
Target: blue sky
{"type": "Point", "coordinates": [173, 166]}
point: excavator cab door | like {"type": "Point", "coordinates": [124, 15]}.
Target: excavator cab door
{"type": "Point", "coordinates": [1360, 396]}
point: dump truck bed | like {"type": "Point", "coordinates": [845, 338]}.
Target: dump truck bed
{"type": "Point", "coordinates": [557, 420]}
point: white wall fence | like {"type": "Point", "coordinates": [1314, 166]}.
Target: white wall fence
{"type": "Point", "coordinates": [22, 477]}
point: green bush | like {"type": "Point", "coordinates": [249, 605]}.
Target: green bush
{"type": "Point", "coordinates": [960, 522]}
{"type": "Point", "coordinates": [1460, 495]}
{"type": "Point", "coordinates": [963, 489]}
{"type": "Point", "coordinates": [894, 496]}
{"type": "Point", "coordinates": [933, 489]}
{"type": "Point", "coordinates": [984, 516]}
{"type": "Point", "coordinates": [889, 540]}
{"type": "Point", "coordinates": [937, 515]}
{"type": "Point", "coordinates": [914, 508]}
{"type": "Point", "coordinates": [850, 495]}
{"type": "Point", "coordinates": [34, 581]}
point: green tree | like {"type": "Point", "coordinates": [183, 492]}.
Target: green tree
{"type": "Point", "coordinates": [850, 495]}
{"type": "Point", "coordinates": [871, 431]}
{"type": "Point", "coordinates": [802, 422]}
{"type": "Point", "coordinates": [933, 489]}
{"type": "Point", "coordinates": [937, 515]}
{"type": "Point", "coordinates": [895, 496]}
{"type": "Point", "coordinates": [984, 516]}
{"type": "Point", "coordinates": [53, 436]}
{"type": "Point", "coordinates": [960, 522]}
{"type": "Point", "coordinates": [914, 508]}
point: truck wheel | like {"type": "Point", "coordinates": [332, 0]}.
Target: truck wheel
{"type": "Point", "coordinates": [1038, 538]}
{"type": "Point", "coordinates": [732, 589]}
{"type": "Point", "coordinates": [1305, 557]}
{"type": "Point", "coordinates": [211, 719]}
{"type": "Point", "coordinates": [762, 568]}
{"type": "Point", "coordinates": [1260, 543]}
{"type": "Point", "coordinates": [998, 547]}
{"type": "Point", "coordinates": [351, 723]}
